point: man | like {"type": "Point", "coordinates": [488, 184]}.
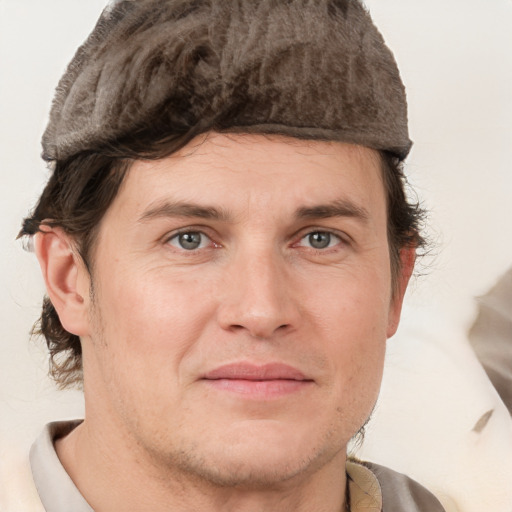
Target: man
{"type": "Point", "coordinates": [226, 243]}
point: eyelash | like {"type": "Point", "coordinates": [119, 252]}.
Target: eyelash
{"type": "Point", "coordinates": [177, 234]}
{"type": "Point", "coordinates": [341, 240]}
{"type": "Point", "coordinates": [330, 235]}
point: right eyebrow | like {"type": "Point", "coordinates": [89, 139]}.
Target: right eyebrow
{"type": "Point", "coordinates": [183, 209]}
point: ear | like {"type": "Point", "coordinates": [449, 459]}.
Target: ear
{"type": "Point", "coordinates": [66, 278]}
{"type": "Point", "coordinates": [407, 260]}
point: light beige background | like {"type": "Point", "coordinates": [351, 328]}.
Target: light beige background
{"type": "Point", "coordinates": [456, 61]}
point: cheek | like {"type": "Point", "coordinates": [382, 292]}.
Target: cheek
{"type": "Point", "coordinates": [354, 324]}
{"type": "Point", "coordinates": [354, 304]}
{"type": "Point", "coordinates": [150, 323]}
{"type": "Point", "coordinates": [146, 331]}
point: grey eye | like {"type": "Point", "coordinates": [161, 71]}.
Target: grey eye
{"type": "Point", "coordinates": [189, 241]}
{"type": "Point", "coordinates": [319, 239]}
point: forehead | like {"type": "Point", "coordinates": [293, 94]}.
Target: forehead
{"type": "Point", "coordinates": [256, 172]}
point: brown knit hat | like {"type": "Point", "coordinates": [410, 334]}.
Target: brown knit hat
{"type": "Point", "coordinates": [314, 69]}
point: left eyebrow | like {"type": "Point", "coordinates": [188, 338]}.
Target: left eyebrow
{"type": "Point", "coordinates": [339, 208]}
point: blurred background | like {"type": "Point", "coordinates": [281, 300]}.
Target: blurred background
{"type": "Point", "coordinates": [455, 57]}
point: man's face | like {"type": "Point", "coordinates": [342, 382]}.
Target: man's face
{"type": "Point", "coordinates": [241, 304]}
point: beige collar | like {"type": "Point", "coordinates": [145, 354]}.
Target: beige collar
{"type": "Point", "coordinates": [364, 491]}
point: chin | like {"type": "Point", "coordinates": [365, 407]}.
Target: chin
{"type": "Point", "coordinates": [259, 456]}
{"type": "Point", "coordinates": [236, 471]}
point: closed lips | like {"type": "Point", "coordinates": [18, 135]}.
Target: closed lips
{"type": "Point", "coordinates": [252, 372]}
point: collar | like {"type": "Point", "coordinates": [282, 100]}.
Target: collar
{"type": "Point", "coordinates": [57, 491]}
{"type": "Point", "coordinates": [363, 489]}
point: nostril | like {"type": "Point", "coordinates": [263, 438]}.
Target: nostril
{"type": "Point", "coordinates": [260, 332]}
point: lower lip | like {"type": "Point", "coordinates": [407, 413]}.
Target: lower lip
{"type": "Point", "coordinates": [259, 389]}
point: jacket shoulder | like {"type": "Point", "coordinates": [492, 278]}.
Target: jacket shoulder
{"type": "Point", "coordinates": [403, 494]}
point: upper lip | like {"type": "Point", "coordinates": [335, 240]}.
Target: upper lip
{"type": "Point", "coordinates": [251, 371]}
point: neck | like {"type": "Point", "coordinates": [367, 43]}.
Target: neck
{"type": "Point", "coordinates": [91, 457]}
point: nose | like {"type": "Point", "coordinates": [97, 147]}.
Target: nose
{"type": "Point", "coordinates": [259, 297]}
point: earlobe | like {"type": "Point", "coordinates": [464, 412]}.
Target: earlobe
{"type": "Point", "coordinates": [63, 273]}
{"type": "Point", "coordinates": [407, 261]}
